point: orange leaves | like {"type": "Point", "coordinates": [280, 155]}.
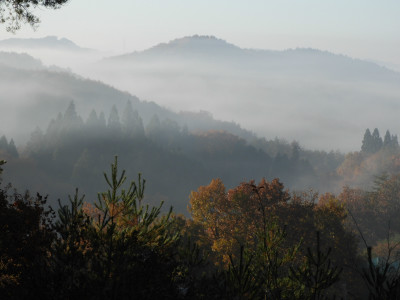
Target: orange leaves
{"type": "Point", "coordinates": [207, 205]}
{"type": "Point", "coordinates": [236, 217]}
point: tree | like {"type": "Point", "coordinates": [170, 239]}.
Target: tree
{"type": "Point", "coordinates": [317, 274]}
{"type": "Point", "coordinates": [25, 239]}
{"type": "Point", "coordinates": [113, 121]}
{"type": "Point", "coordinates": [12, 149]}
{"type": "Point", "coordinates": [367, 143]}
{"type": "Point", "coordinates": [132, 123]}
{"type": "Point", "coordinates": [377, 140]}
{"type": "Point", "coordinates": [3, 143]}
{"type": "Point", "coordinates": [71, 120]}
{"type": "Point", "coordinates": [387, 139]}
{"type": "Point", "coordinates": [390, 141]}
{"type": "Point", "coordinates": [131, 241]}
{"type": "Point", "coordinates": [16, 12]}
{"type": "Point", "coordinates": [2, 162]}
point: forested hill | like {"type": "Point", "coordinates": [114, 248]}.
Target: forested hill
{"type": "Point", "coordinates": [74, 152]}
{"type": "Point", "coordinates": [305, 94]}
{"type": "Point", "coordinates": [48, 90]}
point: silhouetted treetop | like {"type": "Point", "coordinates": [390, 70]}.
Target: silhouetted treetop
{"type": "Point", "coordinates": [371, 143]}
{"type": "Point", "coordinates": [16, 12]}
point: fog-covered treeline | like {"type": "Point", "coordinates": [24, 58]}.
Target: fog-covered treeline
{"type": "Point", "coordinates": [72, 152]}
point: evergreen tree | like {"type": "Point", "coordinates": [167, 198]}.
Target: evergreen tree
{"type": "Point", "coordinates": [366, 146]}
{"type": "Point", "coordinates": [3, 143]}
{"type": "Point", "coordinates": [295, 151]}
{"type": "Point", "coordinates": [377, 141]}
{"type": "Point", "coordinates": [390, 141]}
{"type": "Point", "coordinates": [113, 120]}
{"type": "Point", "coordinates": [12, 150]}
{"type": "Point", "coordinates": [371, 143]}
{"type": "Point", "coordinates": [387, 141]}
{"type": "Point", "coordinates": [153, 129]}
{"type": "Point", "coordinates": [92, 121]}
{"type": "Point", "coordinates": [71, 120]}
{"type": "Point", "coordinates": [395, 142]}
{"type": "Point", "coordinates": [36, 141]}
{"type": "Point", "coordinates": [132, 123]}
{"type": "Point", "coordinates": [70, 113]}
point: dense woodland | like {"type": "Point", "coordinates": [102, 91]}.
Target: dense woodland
{"type": "Point", "coordinates": [254, 241]}
{"type": "Point", "coordinates": [222, 214]}
{"type": "Point", "coordinates": [237, 238]}
{"type": "Point", "coordinates": [215, 212]}
{"type": "Point", "coordinates": [73, 152]}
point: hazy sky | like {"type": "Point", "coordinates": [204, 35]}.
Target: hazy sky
{"type": "Point", "coordinates": [366, 29]}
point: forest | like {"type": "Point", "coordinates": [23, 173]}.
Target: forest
{"type": "Point", "coordinates": [254, 241]}
{"type": "Point", "coordinates": [247, 179]}
{"type": "Point", "coordinates": [194, 224]}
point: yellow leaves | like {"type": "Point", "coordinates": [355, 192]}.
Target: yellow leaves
{"type": "Point", "coordinates": [207, 204]}
{"type": "Point", "coordinates": [236, 217]}
{"type": "Point", "coordinates": [329, 204]}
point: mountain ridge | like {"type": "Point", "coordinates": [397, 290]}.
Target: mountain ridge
{"type": "Point", "coordinates": [206, 42]}
{"type": "Point", "coordinates": [53, 42]}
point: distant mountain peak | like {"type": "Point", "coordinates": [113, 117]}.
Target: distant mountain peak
{"type": "Point", "coordinates": [51, 41]}
{"type": "Point", "coordinates": [197, 43]}
{"type": "Point", "coordinates": [190, 47]}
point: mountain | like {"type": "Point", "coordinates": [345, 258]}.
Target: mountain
{"type": "Point", "coordinates": [20, 61]}
{"type": "Point", "coordinates": [197, 49]}
{"type": "Point", "coordinates": [48, 42]}
{"type": "Point", "coordinates": [53, 51]}
{"type": "Point", "coordinates": [32, 93]}
{"type": "Point", "coordinates": [319, 98]}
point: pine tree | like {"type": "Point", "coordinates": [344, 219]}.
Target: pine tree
{"type": "Point", "coordinates": [36, 141]}
{"type": "Point", "coordinates": [3, 143]}
{"type": "Point", "coordinates": [377, 141]}
{"type": "Point", "coordinates": [153, 129]}
{"type": "Point", "coordinates": [92, 121]}
{"type": "Point", "coordinates": [113, 120]}
{"type": "Point", "coordinates": [71, 120]}
{"type": "Point", "coordinates": [132, 124]}
{"type": "Point", "coordinates": [371, 143]}
{"type": "Point", "coordinates": [387, 141]}
{"type": "Point", "coordinates": [395, 141]}
{"type": "Point", "coordinates": [367, 142]}
{"type": "Point", "coordinates": [12, 150]}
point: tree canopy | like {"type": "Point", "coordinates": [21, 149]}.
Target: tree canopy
{"type": "Point", "coordinates": [16, 12]}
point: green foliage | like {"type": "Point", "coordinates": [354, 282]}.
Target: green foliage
{"type": "Point", "coordinates": [317, 274]}
{"type": "Point", "coordinates": [273, 259]}
{"type": "Point", "coordinates": [239, 281]}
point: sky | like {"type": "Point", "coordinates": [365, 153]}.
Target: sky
{"type": "Point", "coordinates": [363, 29]}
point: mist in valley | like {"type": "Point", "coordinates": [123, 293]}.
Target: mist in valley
{"type": "Point", "coordinates": [202, 150]}
{"type": "Point", "coordinates": [252, 114]}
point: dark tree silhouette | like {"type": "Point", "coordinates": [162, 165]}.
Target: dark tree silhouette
{"type": "Point", "coordinates": [16, 12]}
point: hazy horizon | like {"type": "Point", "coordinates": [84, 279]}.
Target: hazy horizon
{"type": "Point", "coordinates": [306, 95]}
{"type": "Point", "coordinates": [360, 29]}
{"type": "Point", "coordinates": [363, 30]}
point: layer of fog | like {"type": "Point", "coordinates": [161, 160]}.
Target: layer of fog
{"type": "Point", "coordinates": [325, 106]}
{"type": "Point", "coordinates": [321, 113]}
